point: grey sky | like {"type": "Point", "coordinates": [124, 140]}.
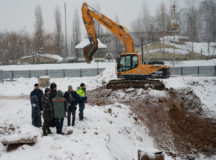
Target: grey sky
{"type": "Point", "coordinates": [19, 14]}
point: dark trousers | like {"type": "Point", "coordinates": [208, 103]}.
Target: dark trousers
{"type": "Point", "coordinates": [81, 109]}
{"type": "Point", "coordinates": [59, 125]}
{"type": "Point", "coordinates": [71, 110]}
{"type": "Point", "coordinates": [46, 125]}
{"type": "Point", "coordinates": [36, 117]}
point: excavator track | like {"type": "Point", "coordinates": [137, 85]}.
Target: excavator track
{"type": "Point", "coordinates": [125, 83]}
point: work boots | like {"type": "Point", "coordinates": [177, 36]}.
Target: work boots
{"type": "Point", "coordinates": [81, 116]}
{"type": "Point", "coordinates": [49, 132]}
{"type": "Point", "coordinates": [73, 121]}
{"type": "Point", "coordinates": [44, 132]}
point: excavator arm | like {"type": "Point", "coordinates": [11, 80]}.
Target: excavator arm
{"type": "Point", "coordinates": [88, 15]}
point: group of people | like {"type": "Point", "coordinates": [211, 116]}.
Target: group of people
{"type": "Point", "coordinates": [55, 105]}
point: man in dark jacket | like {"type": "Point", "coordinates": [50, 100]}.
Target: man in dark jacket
{"type": "Point", "coordinates": [81, 91]}
{"type": "Point", "coordinates": [72, 98]}
{"type": "Point", "coordinates": [35, 98]}
{"type": "Point", "coordinates": [53, 89]}
{"type": "Point", "coordinates": [59, 110]}
{"type": "Point", "coordinates": [47, 112]}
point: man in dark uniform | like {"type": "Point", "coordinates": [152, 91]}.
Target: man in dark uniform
{"type": "Point", "coordinates": [35, 98]}
{"type": "Point", "coordinates": [53, 90]}
{"type": "Point", "coordinates": [72, 98]}
{"type": "Point", "coordinates": [47, 112]}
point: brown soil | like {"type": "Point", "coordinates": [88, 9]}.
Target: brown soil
{"type": "Point", "coordinates": [12, 147]}
{"type": "Point", "coordinates": [176, 121]}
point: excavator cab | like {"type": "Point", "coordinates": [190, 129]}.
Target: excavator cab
{"type": "Point", "coordinates": [130, 66]}
{"type": "Point", "coordinates": [127, 62]}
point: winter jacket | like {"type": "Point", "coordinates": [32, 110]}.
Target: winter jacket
{"type": "Point", "coordinates": [59, 106]}
{"type": "Point", "coordinates": [39, 94]}
{"type": "Point", "coordinates": [47, 107]}
{"type": "Point", "coordinates": [81, 92]}
{"type": "Point", "coordinates": [72, 97]}
{"type": "Point", "coordinates": [52, 94]}
{"type": "Point", "coordinates": [36, 117]}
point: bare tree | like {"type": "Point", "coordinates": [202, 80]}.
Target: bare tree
{"type": "Point", "coordinates": [76, 33]}
{"type": "Point", "coordinates": [163, 21]}
{"type": "Point", "coordinates": [39, 31]}
{"type": "Point", "coordinates": [192, 22]}
{"type": "Point", "coordinates": [11, 47]}
{"type": "Point", "coordinates": [58, 33]}
{"type": "Point", "coordinates": [207, 22]}
{"type": "Point", "coordinates": [117, 41]}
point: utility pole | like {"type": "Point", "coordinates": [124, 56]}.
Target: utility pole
{"type": "Point", "coordinates": [142, 48]}
{"type": "Point", "coordinates": [66, 46]}
{"type": "Point", "coordinates": [174, 25]}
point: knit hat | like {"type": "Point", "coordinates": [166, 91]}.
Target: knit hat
{"type": "Point", "coordinates": [70, 87]}
{"type": "Point", "coordinates": [36, 84]}
{"type": "Point", "coordinates": [82, 84]}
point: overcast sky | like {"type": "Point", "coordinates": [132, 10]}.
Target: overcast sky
{"type": "Point", "coordinates": [19, 14]}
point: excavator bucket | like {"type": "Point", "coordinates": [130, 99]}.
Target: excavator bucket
{"type": "Point", "coordinates": [89, 51]}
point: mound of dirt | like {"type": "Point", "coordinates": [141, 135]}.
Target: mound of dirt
{"type": "Point", "coordinates": [173, 117]}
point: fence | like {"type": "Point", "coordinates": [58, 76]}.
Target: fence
{"type": "Point", "coordinates": [198, 70]}
{"type": "Point", "coordinates": [60, 73]}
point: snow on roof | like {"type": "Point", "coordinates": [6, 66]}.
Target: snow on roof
{"type": "Point", "coordinates": [53, 56]}
{"type": "Point", "coordinates": [173, 39]}
{"type": "Point", "coordinates": [86, 42]}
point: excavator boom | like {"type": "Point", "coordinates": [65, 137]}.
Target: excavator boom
{"type": "Point", "coordinates": [88, 15]}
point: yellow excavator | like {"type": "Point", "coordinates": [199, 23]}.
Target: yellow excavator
{"type": "Point", "coordinates": [129, 67]}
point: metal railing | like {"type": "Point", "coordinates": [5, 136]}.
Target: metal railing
{"type": "Point", "coordinates": [195, 70]}
{"type": "Point", "coordinates": [58, 73]}
{"type": "Point", "coordinates": [61, 73]}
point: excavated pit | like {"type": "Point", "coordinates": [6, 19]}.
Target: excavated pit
{"type": "Point", "coordinates": [174, 118]}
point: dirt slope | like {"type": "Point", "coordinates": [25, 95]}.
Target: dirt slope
{"type": "Point", "coordinates": [174, 118]}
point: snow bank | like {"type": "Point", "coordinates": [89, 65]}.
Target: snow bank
{"type": "Point", "coordinates": [203, 87]}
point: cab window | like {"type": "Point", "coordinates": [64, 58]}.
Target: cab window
{"type": "Point", "coordinates": [135, 61]}
{"type": "Point", "coordinates": [127, 62]}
